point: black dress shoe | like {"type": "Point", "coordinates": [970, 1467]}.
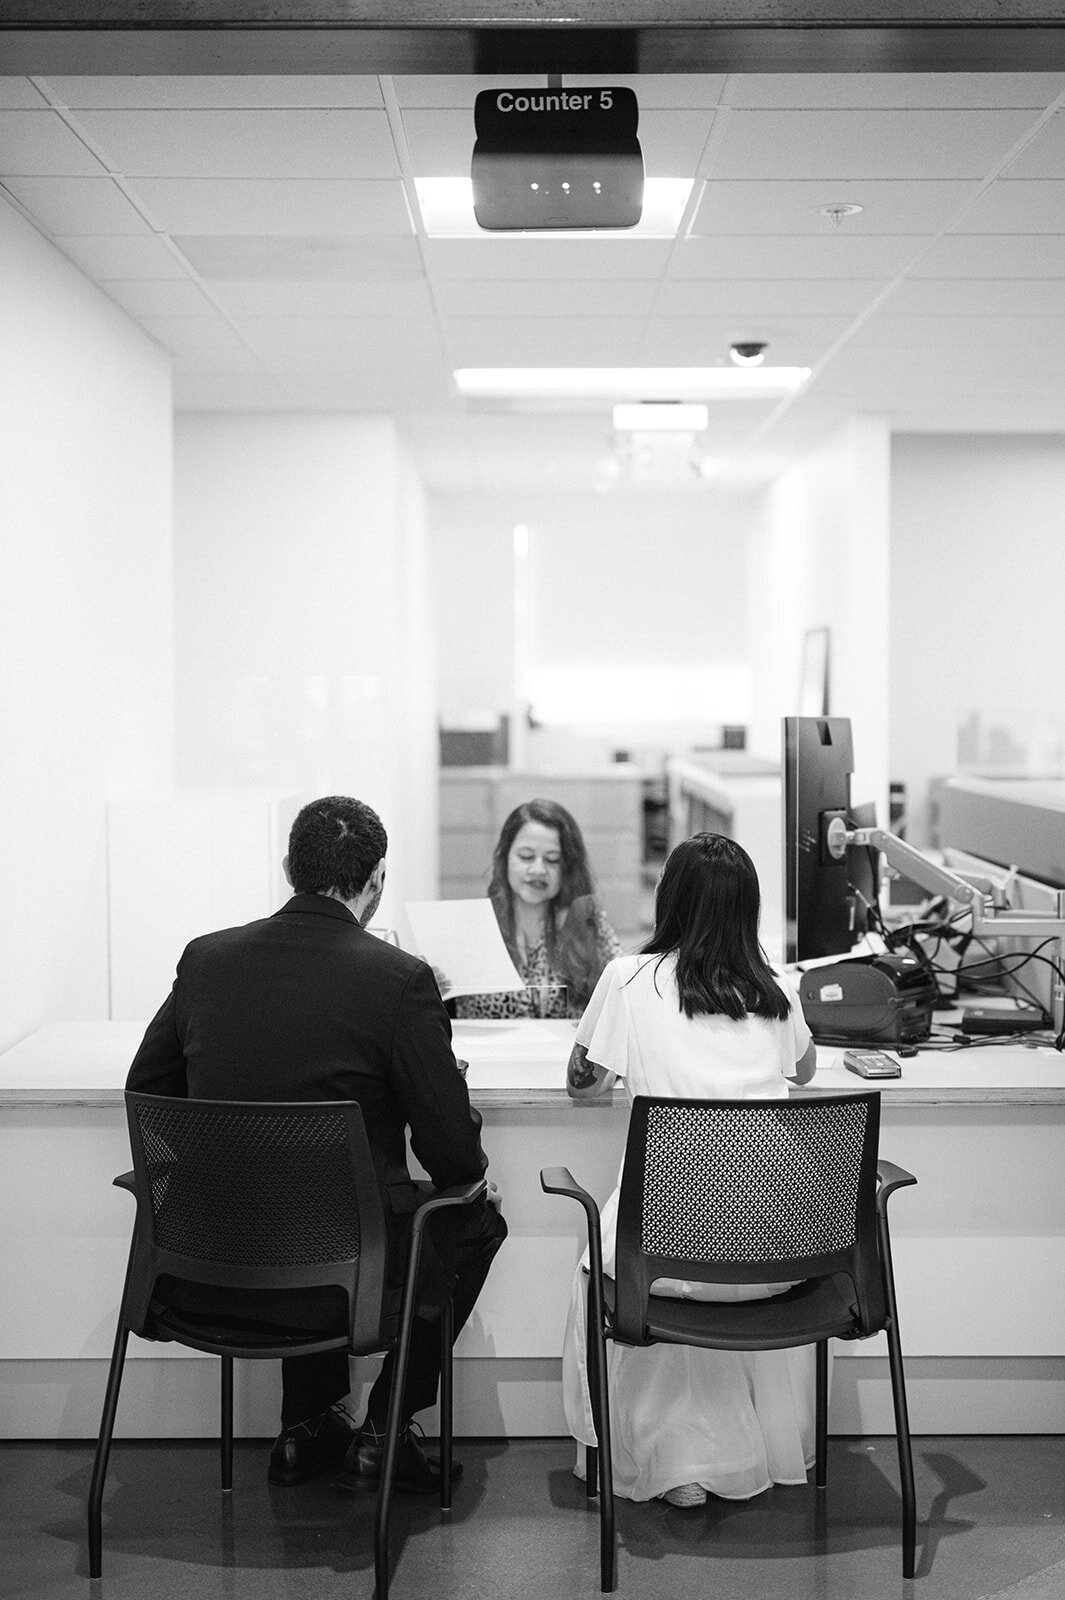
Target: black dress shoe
{"type": "Point", "coordinates": [311, 1447]}
{"type": "Point", "coordinates": [415, 1472]}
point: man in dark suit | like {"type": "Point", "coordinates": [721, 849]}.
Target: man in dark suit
{"type": "Point", "coordinates": [306, 1005]}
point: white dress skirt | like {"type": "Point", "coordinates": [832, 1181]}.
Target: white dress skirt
{"type": "Point", "coordinates": [733, 1421]}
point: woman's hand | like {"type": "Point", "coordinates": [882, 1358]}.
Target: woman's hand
{"type": "Point", "coordinates": [443, 982]}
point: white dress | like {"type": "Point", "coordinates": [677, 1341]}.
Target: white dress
{"type": "Point", "coordinates": [732, 1421]}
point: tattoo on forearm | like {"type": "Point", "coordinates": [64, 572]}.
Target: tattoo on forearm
{"type": "Point", "coordinates": [581, 1073]}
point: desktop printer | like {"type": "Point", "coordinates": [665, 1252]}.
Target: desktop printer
{"type": "Point", "coordinates": [886, 999]}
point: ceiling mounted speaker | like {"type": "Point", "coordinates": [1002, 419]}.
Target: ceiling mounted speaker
{"type": "Point", "coordinates": [557, 158]}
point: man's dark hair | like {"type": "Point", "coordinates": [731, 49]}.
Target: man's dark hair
{"type": "Point", "coordinates": [334, 845]}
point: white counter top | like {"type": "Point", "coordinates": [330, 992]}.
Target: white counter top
{"type": "Point", "coordinates": [524, 1063]}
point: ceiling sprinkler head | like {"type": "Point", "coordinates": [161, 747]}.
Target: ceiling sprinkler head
{"type": "Point", "coordinates": [838, 210]}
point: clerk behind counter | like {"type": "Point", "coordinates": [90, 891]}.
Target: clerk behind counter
{"type": "Point", "coordinates": [552, 925]}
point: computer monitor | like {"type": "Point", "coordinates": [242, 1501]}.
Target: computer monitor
{"type": "Point", "coordinates": [827, 900]}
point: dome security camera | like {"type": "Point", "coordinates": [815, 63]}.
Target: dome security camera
{"type": "Point", "coordinates": [748, 352]}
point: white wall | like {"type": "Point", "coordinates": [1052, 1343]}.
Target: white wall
{"type": "Point", "coordinates": [649, 580]}
{"type": "Point", "coordinates": [303, 625]}
{"type": "Point", "coordinates": [86, 692]}
{"type": "Point", "coordinates": [977, 580]}
{"type": "Point", "coordinates": [822, 561]}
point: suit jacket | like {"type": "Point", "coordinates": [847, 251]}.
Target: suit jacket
{"type": "Point", "coordinates": [306, 1005]}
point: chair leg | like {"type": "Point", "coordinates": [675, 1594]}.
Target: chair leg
{"type": "Point", "coordinates": [902, 1435]}
{"type": "Point", "coordinates": [227, 1424]}
{"type": "Point", "coordinates": [591, 1473]}
{"type": "Point", "coordinates": [599, 1459]}
{"type": "Point", "coordinates": [395, 1402]}
{"type": "Point", "coordinates": [821, 1416]}
{"type": "Point", "coordinates": [447, 1406]}
{"type": "Point", "coordinates": [103, 1449]}
{"type": "Point", "coordinates": [607, 1547]}
{"type": "Point", "coordinates": [898, 1400]}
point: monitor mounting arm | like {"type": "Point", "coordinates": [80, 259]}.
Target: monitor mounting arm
{"type": "Point", "coordinates": [988, 920]}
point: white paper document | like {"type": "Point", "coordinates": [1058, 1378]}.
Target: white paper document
{"type": "Point", "coordinates": [461, 939]}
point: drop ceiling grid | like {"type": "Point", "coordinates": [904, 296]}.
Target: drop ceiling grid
{"type": "Point", "coordinates": [231, 169]}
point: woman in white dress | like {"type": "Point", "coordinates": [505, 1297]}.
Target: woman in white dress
{"type": "Point", "coordinates": [698, 1014]}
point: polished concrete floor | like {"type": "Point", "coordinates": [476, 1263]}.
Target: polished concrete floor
{"type": "Point", "coordinates": [991, 1524]}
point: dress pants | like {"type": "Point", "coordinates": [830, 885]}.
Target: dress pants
{"type": "Point", "coordinates": [310, 1384]}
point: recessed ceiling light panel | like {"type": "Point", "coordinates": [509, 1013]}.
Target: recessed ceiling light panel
{"type": "Point", "coordinates": [635, 383]}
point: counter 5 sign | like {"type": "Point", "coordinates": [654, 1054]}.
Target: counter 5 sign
{"type": "Point", "coordinates": [557, 158]}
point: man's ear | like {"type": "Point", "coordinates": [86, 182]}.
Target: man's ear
{"type": "Point", "coordinates": [288, 875]}
{"type": "Point", "coordinates": [378, 874]}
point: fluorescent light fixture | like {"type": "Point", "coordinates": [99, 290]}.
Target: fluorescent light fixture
{"type": "Point", "coordinates": [637, 383]}
{"type": "Point", "coordinates": [446, 206]}
{"type": "Point", "coordinates": [660, 416]}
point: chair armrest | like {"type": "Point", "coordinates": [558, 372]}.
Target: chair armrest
{"type": "Point", "coordinates": [125, 1180]}
{"type": "Point", "coordinates": [889, 1178]}
{"type": "Point", "coordinates": [458, 1194]}
{"type": "Point", "coordinates": [560, 1180]}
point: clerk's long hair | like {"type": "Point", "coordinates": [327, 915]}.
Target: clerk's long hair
{"type": "Point", "coordinates": [706, 914]}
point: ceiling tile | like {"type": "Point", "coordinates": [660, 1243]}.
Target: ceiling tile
{"type": "Point", "coordinates": [835, 145]}
{"type": "Point", "coordinates": [120, 258]}
{"type": "Point", "coordinates": [1036, 206]}
{"type": "Point", "coordinates": [209, 342]}
{"type": "Point", "coordinates": [975, 297]}
{"type": "Point", "coordinates": [547, 258]}
{"type": "Point", "coordinates": [244, 144]}
{"type": "Point", "coordinates": [913, 206]}
{"type": "Point", "coordinates": [312, 259]}
{"type": "Point", "coordinates": [388, 386]}
{"type": "Point", "coordinates": [160, 297]}
{"type": "Point", "coordinates": [78, 205]}
{"type": "Point", "coordinates": [38, 144]}
{"type": "Point", "coordinates": [865, 90]}
{"type": "Point", "coordinates": [19, 94]}
{"type": "Point", "coordinates": [250, 298]}
{"type": "Point", "coordinates": [765, 297]}
{"type": "Point", "coordinates": [440, 141]}
{"type": "Point", "coordinates": [340, 335]}
{"type": "Point", "coordinates": [281, 207]}
{"type": "Point", "coordinates": [673, 141]}
{"type": "Point", "coordinates": [177, 93]}
{"type": "Point", "coordinates": [544, 341]}
{"type": "Point", "coordinates": [984, 255]}
{"type": "Point", "coordinates": [876, 256]}
{"type": "Point", "coordinates": [489, 297]}
{"type": "Point", "coordinates": [1045, 156]}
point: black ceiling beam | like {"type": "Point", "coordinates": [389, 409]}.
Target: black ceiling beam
{"type": "Point", "coordinates": [522, 36]}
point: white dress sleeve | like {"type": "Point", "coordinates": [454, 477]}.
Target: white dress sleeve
{"type": "Point", "coordinates": [798, 1028]}
{"type": "Point", "coordinates": [604, 1028]}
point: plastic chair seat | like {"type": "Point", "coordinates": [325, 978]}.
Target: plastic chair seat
{"type": "Point", "coordinates": [817, 1308]}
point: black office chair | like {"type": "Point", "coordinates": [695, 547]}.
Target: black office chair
{"type": "Point", "coordinates": [746, 1191]}
{"type": "Point", "coordinates": [257, 1196]}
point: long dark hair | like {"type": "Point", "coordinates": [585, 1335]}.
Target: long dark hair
{"type": "Point", "coordinates": [575, 875]}
{"type": "Point", "coordinates": [706, 913]}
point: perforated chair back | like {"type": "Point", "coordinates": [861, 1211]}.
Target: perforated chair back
{"type": "Point", "coordinates": [749, 1191]}
{"type": "Point", "coordinates": [254, 1196]}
